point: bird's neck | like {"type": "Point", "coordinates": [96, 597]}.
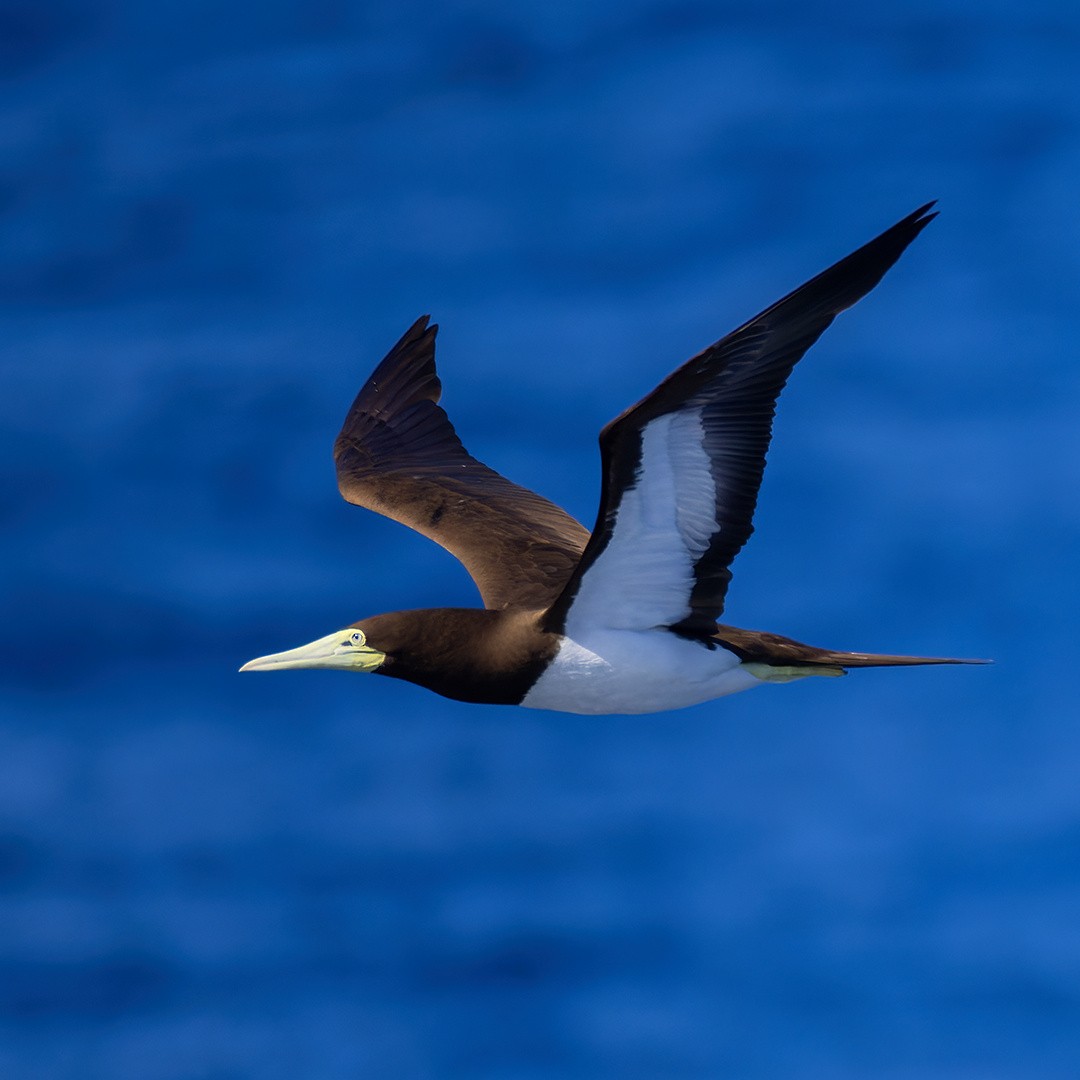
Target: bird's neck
{"type": "Point", "coordinates": [470, 654]}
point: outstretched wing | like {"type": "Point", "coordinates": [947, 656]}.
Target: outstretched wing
{"type": "Point", "coordinates": [682, 468]}
{"type": "Point", "coordinates": [398, 454]}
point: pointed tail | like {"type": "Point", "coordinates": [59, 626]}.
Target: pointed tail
{"type": "Point", "coordinates": [829, 662]}
{"type": "Point", "coordinates": [773, 650]}
{"type": "Point", "coordinates": [857, 659]}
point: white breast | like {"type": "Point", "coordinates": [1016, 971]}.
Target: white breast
{"type": "Point", "coordinates": [636, 671]}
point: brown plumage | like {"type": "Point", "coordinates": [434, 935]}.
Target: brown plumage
{"type": "Point", "coordinates": [398, 454]}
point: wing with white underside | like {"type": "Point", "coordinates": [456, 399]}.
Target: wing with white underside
{"type": "Point", "coordinates": [682, 468]}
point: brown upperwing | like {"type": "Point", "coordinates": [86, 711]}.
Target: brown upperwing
{"type": "Point", "coordinates": [398, 454]}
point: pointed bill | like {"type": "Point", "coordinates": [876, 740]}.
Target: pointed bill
{"type": "Point", "coordinates": [346, 650]}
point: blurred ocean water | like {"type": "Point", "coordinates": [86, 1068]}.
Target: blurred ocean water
{"type": "Point", "coordinates": [214, 224]}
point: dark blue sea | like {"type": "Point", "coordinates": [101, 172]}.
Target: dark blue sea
{"type": "Point", "coordinates": [214, 220]}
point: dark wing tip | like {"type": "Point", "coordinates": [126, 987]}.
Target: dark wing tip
{"type": "Point", "coordinates": [418, 327]}
{"type": "Point", "coordinates": [816, 302]}
{"type": "Point", "coordinates": [916, 220]}
{"type": "Point", "coordinates": [924, 211]}
{"type": "Point", "coordinates": [405, 376]}
{"type": "Point", "coordinates": [910, 226]}
{"type": "Point", "coordinates": [421, 330]}
{"type": "Point", "coordinates": [850, 279]}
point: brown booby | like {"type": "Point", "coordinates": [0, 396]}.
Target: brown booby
{"type": "Point", "coordinates": [622, 620]}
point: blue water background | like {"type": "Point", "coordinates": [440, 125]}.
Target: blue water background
{"type": "Point", "coordinates": [215, 220]}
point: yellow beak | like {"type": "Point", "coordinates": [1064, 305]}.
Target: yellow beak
{"type": "Point", "coordinates": [345, 650]}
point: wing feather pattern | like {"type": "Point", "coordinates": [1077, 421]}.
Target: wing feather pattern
{"type": "Point", "coordinates": [398, 454]}
{"type": "Point", "coordinates": [681, 469]}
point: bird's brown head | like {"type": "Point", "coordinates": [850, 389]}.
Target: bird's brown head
{"type": "Point", "coordinates": [463, 653]}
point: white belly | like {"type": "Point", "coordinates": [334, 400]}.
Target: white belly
{"type": "Point", "coordinates": [636, 671]}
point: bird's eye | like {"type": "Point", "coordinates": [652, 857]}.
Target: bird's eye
{"type": "Point", "coordinates": [357, 638]}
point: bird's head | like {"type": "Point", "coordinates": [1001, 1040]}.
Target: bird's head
{"type": "Point", "coordinates": [470, 654]}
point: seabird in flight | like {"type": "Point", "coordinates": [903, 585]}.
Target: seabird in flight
{"type": "Point", "coordinates": [622, 620]}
